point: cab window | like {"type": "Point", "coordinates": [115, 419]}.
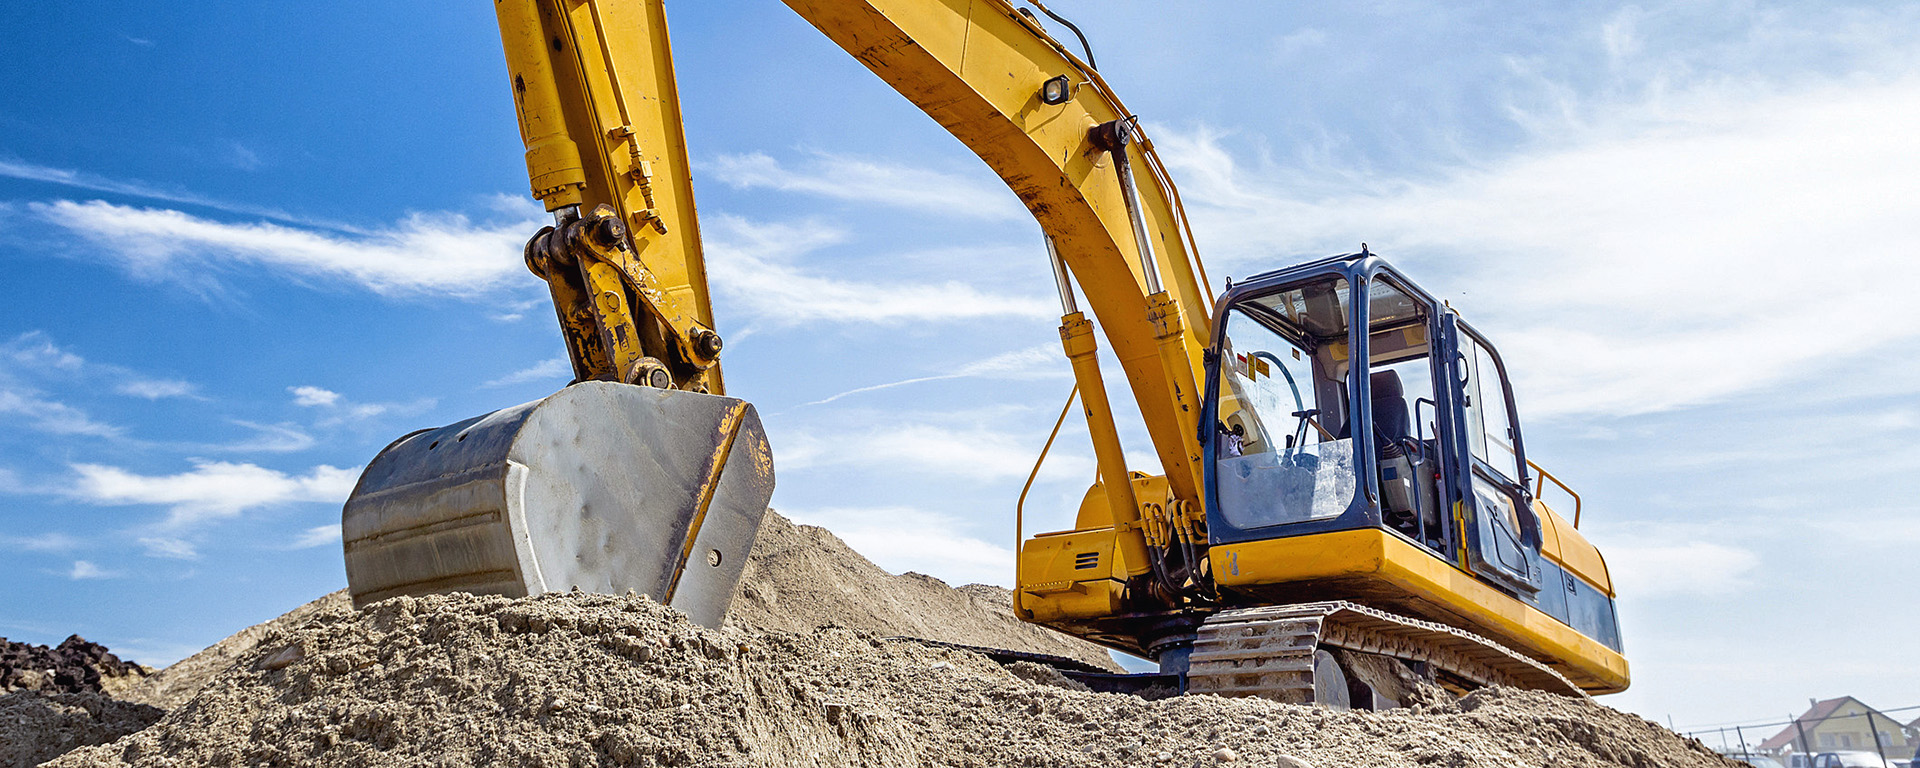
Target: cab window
{"type": "Point", "coordinates": [1282, 449]}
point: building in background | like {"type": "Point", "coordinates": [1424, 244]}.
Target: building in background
{"type": "Point", "coordinates": [1844, 723]}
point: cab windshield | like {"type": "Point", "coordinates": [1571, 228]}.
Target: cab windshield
{"type": "Point", "coordinates": [1283, 451]}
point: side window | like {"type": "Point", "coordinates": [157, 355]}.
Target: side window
{"type": "Point", "coordinates": [1490, 431]}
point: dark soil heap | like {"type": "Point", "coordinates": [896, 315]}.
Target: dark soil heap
{"type": "Point", "coordinates": [73, 666]}
{"type": "Point", "coordinates": [590, 680]}
{"type": "Point", "coordinates": [36, 727]}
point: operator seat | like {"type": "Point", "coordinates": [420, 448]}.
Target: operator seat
{"type": "Point", "coordinates": [1391, 423]}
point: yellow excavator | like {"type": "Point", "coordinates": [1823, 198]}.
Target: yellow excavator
{"type": "Point", "coordinates": [1346, 507]}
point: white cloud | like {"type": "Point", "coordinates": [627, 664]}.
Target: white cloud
{"type": "Point", "coordinates": [271, 438]}
{"type": "Point", "coordinates": [1645, 570]}
{"type": "Point", "coordinates": [903, 539]}
{"type": "Point", "coordinates": [750, 264]}
{"type": "Point", "coordinates": [169, 547]}
{"type": "Point", "coordinates": [341, 410]}
{"type": "Point", "coordinates": [212, 489]}
{"type": "Point", "coordinates": [973, 452]}
{"type": "Point", "coordinates": [19, 169]}
{"type": "Point", "coordinates": [51, 416]}
{"type": "Point", "coordinates": [1695, 248]}
{"type": "Point", "coordinates": [86, 570]}
{"type": "Point", "coordinates": [155, 389]}
{"type": "Point", "coordinates": [439, 253]}
{"type": "Point", "coordinates": [859, 180]}
{"type": "Point", "coordinates": [45, 542]}
{"type": "Point", "coordinates": [554, 369]}
{"type": "Point", "coordinates": [35, 352]}
{"type": "Point", "coordinates": [313, 397]}
{"type": "Point", "coordinates": [1045, 361]}
{"type": "Point", "coordinates": [318, 536]}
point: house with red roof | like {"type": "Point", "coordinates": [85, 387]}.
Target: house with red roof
{"type": "Point", "coordinates": [1845, 723]}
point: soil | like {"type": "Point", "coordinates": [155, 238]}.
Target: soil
{"type": "Point", "coordinates": [173, 686]}
{"type": "Point", "coordinates": [36, 727]}
{"type": "Point", "coordinates": [585, 680]}
{"type": "Point", "coordinates": [73, 666]}
{"type": "Point", "coordinates": [802, 577]}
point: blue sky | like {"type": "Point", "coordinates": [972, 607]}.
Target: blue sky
{"type": "Point", "coordinates": [247, 246]}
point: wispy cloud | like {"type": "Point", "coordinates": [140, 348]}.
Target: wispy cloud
{"type": "Point", "coordinates": [553, 369]}
{"type": "Point", "coordinates": [155, 389]}
{"type": "Point", "coordinates": [33, 357]}
{"type": "Point", "coordinates": [271, 438]}
{"type": "Point", "coordinates": [855, 179]}
{"type": "Point", "coordinates": [44, 542]}
{"type": "Point", "coordinates": [340, 410]}
{"type": "Point", "coordinates": [169, 547]}
{"type": "Point", "coordinates": [977, 452]}
{"type": "Point", "coordinates": [1649, 570]}
{"type": "Point", "coordinates": [51, 416]}
{"type": "Point", "coordinates": [313, 397]}
{"type": "Point", "coordinates": [212, 490]}
{"type": "Point", "coordinates": [1705, 240]}
{"type": "Point", "coordinates": [83, 570]}
{"type": "Point", "coordinates": [752, 265]}
{"type": "Point", "coordinates": [318, 536]}
{"type": "Point", "coordinates": [1045, 361]}
{"type": "Point", "coordinates": [441, 253]}
{"type": "Point", "coordinates": [76, 179]}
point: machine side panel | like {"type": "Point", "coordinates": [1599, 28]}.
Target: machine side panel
{"type": "Point", "coordinates": [1374, 567]}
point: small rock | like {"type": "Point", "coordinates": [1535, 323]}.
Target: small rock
{"type": "Point", "coordinates": [941, 665]}
{"type": "Point", "coordinates": [284, 657]}
{"type": "Point", "coordinates": [1289, 761]}
{"type": "Point", "coordinates": [1225, 755]}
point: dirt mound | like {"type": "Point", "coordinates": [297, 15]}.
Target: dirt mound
{"type": "Point", "coordinates": [798, 578]}
{"type": "Point", "coordinates": [802, 577]}
{"type": "Point", "coordinates": [579, 679]}
{"type": "Point", "coordinates": [73, 666]}
{"type": "Point", "coordinates": [174, 685]}
{"type": "Point", "coordinates": [36, 727]}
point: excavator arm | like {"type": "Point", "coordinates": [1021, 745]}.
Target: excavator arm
{"type": "Point", "coordinates": [606, 154]}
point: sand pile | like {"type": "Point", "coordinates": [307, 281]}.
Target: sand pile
{"type": "Point", "coordinates": [174, 685]}
{"type": "Point", "coordinates": [802, 577]}
{"type": "Point", "coordinates": [35, 726]}
{"type": "Point", "coordinates": [577, 679]}
{"type": "Point", "coordinates": [73, 666]}
{"type": "Point", "coordinates": [798, 578]}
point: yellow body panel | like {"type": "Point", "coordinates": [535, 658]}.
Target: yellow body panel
{"type": "Point", "coordinates": [1564, 544]}
{"type": "Point", "coordinates": [1375, 567]}
{"type": "Point", "coordinates": [1068, 576]}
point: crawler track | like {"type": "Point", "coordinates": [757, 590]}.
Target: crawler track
{"type": "Point", "coordinates": [1270, 652]}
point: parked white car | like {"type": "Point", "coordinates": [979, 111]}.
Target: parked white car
{"type": "Point", "coordinates": [1851, 759]}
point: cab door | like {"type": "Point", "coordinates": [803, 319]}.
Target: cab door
{"type": "Point", "coordinates": [1499, 534]}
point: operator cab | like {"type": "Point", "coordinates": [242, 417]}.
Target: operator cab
{"type": "Point", "coordinates": [1319, 426]}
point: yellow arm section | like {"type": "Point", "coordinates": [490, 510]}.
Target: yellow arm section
{"type": "Point", "coordinates": [594, 90]}
{"type": "Point", "coordinates": [977, 68]}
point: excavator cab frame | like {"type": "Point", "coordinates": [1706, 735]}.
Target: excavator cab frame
{"type": "Point", "coordinates": [1463, 497]}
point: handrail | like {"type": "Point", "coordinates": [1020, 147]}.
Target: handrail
{"type": "Point", "coordinates": [1541, 485]}
{"type": "Point", "coordinates": [1020, 507]}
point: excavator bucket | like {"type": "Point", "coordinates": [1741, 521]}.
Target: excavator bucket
{"type": "Point", "coordinates": [603, 487]}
